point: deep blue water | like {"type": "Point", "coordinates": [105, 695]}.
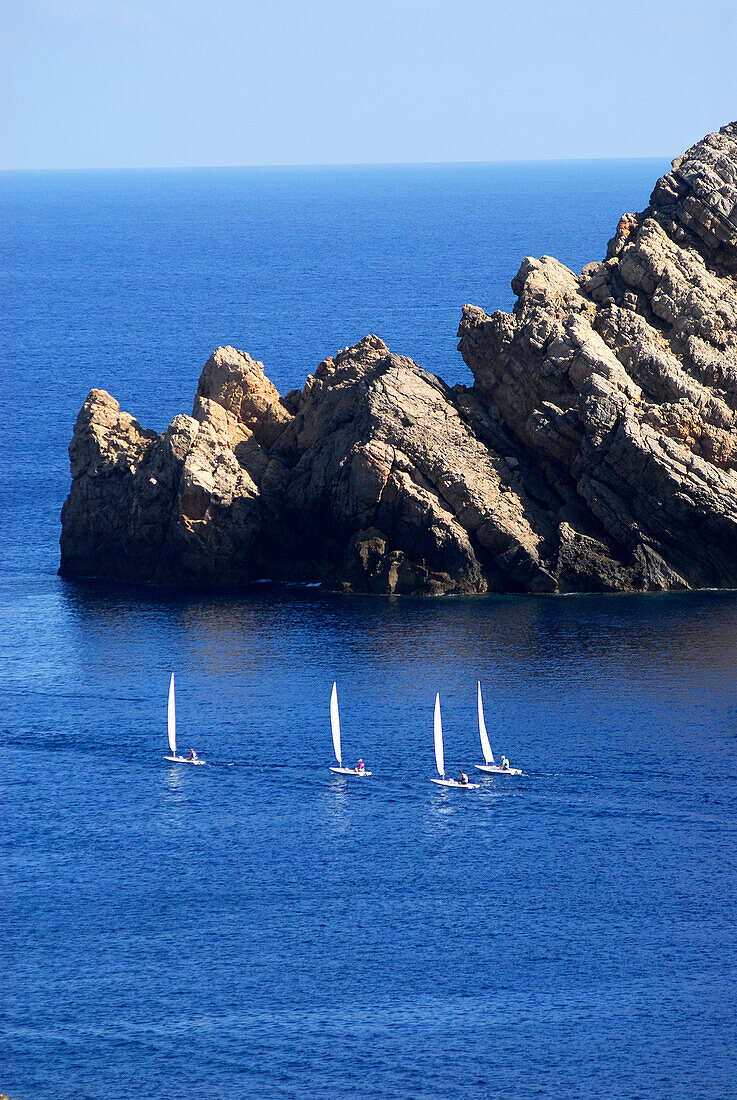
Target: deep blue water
{"type": "Point", "coordinates": [258, 927]}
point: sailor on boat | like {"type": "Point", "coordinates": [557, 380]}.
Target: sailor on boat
{"type": "Point", "coordinates": [360, 767]}
{"type": "Point", "coordinates": [463, 778]}
{"type": "Point", "coordinates": [505, 763]}
{"type": "Point", "coordinates": [192, 755]}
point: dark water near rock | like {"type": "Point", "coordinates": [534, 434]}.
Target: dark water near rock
{"type": "Point", "coordinates": [264, 928]}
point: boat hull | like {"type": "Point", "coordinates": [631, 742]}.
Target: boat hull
{"type": "Point", "coordinates": [183, 760]}
{"type": "Point", "coordinates": [350, 771]}
{"type": "Point", "coordinates": [455, 783]}
{"type": "Point", "coordinates": [494, 769]}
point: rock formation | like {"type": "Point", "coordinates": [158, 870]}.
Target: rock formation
{"type": "Point", "coordinates": [595, 451]}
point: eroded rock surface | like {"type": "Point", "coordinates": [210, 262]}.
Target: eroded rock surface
{"type": "Point", "coordinates": [595, 451]}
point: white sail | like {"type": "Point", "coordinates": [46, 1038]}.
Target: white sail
{"type": "Point", "coordinates": [438, 727]}
{"type": "Point", "coordinates": [172, 717]}
{"type": "Point", "coordinates": [485, 746]}
{"type": "Point", "coordinates": [335, 724]}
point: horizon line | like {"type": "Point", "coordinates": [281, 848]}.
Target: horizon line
{"type": "Point", "coordinates": [335, 164]}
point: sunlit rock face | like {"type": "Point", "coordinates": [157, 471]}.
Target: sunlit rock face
{"type": "Point", "coordinates": [595, 451]}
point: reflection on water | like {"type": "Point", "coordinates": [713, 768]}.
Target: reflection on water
{"type": "Point", "coordinates": [174, 782]}
{"type": "Point", "coordinates": [441, 805]}
{"type": "Point", "coordinates": [447, 801]}
{"type": "Point", "coordinates": [242, 633]}
{"type": "Point", "coordinates": [173, 807]}
{"type": "Point", "coordinates": [336, 803]}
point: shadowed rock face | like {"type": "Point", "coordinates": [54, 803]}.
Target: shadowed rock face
{"type": "Point", "coordinates": [596, 450]}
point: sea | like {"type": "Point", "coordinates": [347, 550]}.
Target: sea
{"type": "Point", "coordinates": [259, 927]}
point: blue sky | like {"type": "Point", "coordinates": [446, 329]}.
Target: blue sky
{"type": "Point", "coordinates": [102, 83]}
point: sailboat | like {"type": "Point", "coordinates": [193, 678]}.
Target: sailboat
{"type": "Point", "coordinates": [489, 766]}
{"type": "Point", "coordinates": [439, 758]}
{"type": "Point", "coordinates": [335, 726]}
{"type": "Point", "coordinates": [172, 724]}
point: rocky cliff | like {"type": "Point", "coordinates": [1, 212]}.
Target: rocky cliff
{"type": "Point", "coordinates": [595, 451]}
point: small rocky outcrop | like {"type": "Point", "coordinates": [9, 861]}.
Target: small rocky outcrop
{"type": "Point", "coordinates": [595, 451]}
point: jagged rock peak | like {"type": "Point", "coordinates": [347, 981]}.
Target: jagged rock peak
{"type": "Point", "coordinates": [236, 382]}
{"type": "Point", "coordinates": [697, 200]}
